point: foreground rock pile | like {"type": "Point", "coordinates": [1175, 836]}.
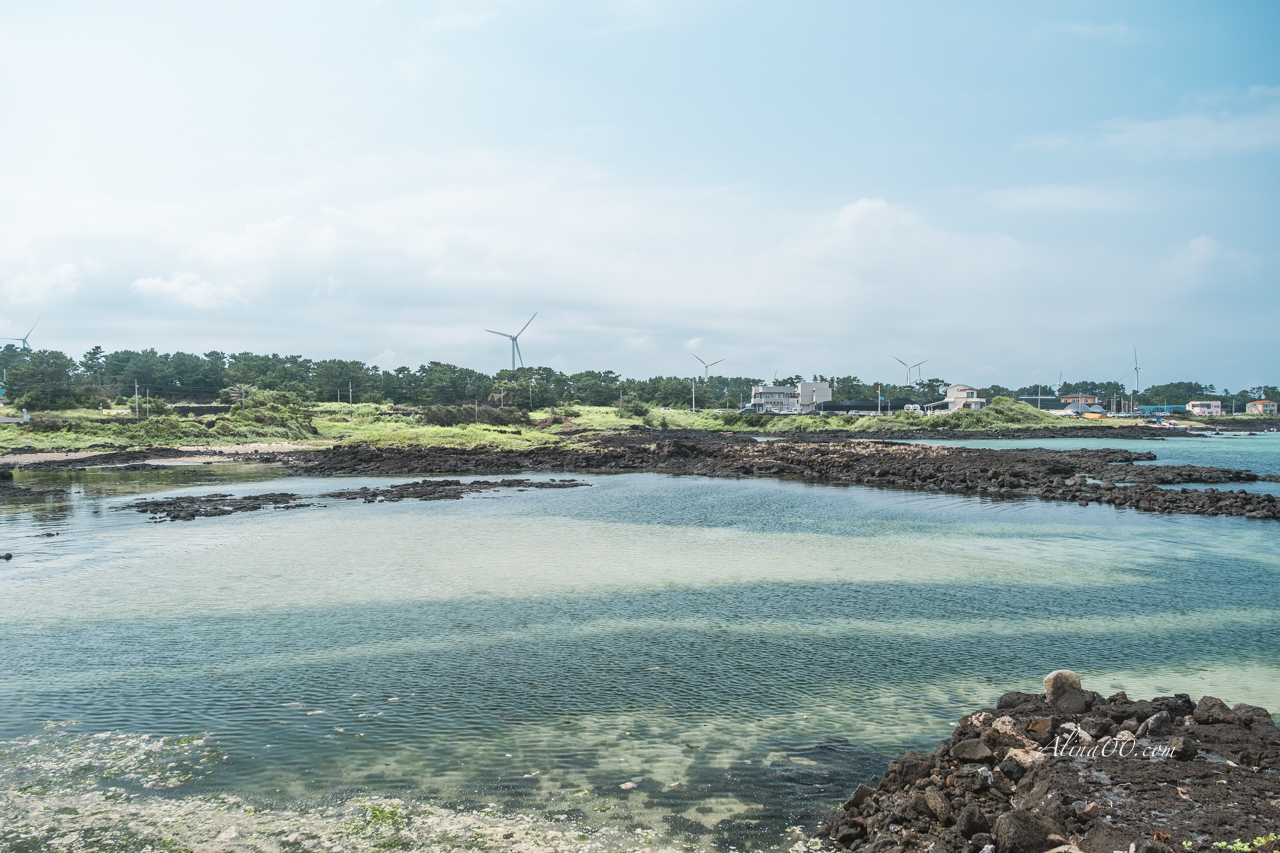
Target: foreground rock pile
{"type": "Point", "coordinates": [1076, 476]}
{"type": "Point", "coordinates": [1068, 770]}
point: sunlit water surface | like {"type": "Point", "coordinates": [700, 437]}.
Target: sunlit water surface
{"type": "Point", "coordinates": [714, 659]}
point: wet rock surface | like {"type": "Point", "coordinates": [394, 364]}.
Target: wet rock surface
{"type": "Point", "coordinates": [444, 490]}
{"type": "Point", "coordinates": [1100, 780]}
{"type": "Point", "coordinates": [1076, 476]}
{"type": "Point", "coordinates": [191, 507]}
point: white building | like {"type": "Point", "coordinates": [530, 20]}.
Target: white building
{"type": "Point", "coordinates": [789, 399]}
{"type": "Point", "coordinates": [958, 397]}
{"type": "Point", "coordinates": [813, 393]}
{"type": "Point", "coordinates": [1205, 407]}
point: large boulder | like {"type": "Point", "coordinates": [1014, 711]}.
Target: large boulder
{"type": "Point", "coordinates": [971, 821]}
{"type": "Point", "coordinates": [972, 751]}
{"type": "Point", "coordinates": [1211, 710]}
{"type": "Point", "coordinates": [1252, 715]}
{"type": "Point", "coordinates": [1062, 691]}
{"type": "Point", "coordinates": [1022, 831]}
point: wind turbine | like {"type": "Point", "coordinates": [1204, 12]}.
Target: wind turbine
{"type": "Point", "coordinates": [706, 368]}
{"type": "Point", "coordinates": [909, 368]}
{"type": "Point", "coordinates": [515, 344]}
{"type": "Point", "coordinates": [25, 345]}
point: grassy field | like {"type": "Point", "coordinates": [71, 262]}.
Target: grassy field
{"type": "Point", "coordinates": [382, 425]}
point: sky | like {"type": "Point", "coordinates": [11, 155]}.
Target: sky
{"type": "Point", "coordinates": [1009, 191]}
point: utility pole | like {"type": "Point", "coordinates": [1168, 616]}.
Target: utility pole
{"type": "Point", "coordinates": [137, 413]}
{"type": "Point", "coordinates": [693, 391]}
{"type": "Point", "coordinates": [351, 400]}
{"type": "Point", "coordinates": [148, 404]}
{"type": "Point", "coordinates": [878, 397]}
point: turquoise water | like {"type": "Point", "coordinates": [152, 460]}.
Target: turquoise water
{"type": "Point", "coordinates": [716, 660]}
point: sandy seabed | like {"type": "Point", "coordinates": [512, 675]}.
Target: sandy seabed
{"type": "Point", "coordinates": [67, 791]}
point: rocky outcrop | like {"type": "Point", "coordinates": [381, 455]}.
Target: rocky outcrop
{"type": "Point", "coordinates": [1077, 476]}
{"type": "Point", "coordinates": [1030, 776]}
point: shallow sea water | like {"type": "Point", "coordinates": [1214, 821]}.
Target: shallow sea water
{"type": "Point", "coordinates": [711, 661]}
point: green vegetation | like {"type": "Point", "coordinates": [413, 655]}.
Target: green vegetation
{"type": "Point", "coordinates": [1002, 413]}
{"type": "Point", "coordinates": [126, 398]}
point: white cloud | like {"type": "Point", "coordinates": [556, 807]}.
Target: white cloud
{"type": "Point", "coordinates": [1071, 199]}
{"type": "Point", "coordinates": [1190, 135]}
{"type": "Point", "coordinates": [33, 285]}
{"type": "Point", "coordinates": [1116, 32]}
{"type": "Point", "coordinates": [626, 278]}
{"type": "Point", "coordinates": [1193, 135]}
{"type": "Point", "coordinates": [188, 289]}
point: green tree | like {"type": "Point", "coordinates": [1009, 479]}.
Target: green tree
{"type": "Point", "coordinates": [46, 380]}
{"type": "Point", "coordinates": [241, 393]}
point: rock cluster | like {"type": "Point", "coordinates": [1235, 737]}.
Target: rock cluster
{"type": "Point", "coordinates": [1076, 476]}
{"type": "Point", "coordinates": [444, 490]}
{"type": "Point", "coordinates": [1068, 770]}
{"type": "Point", "coordinates": [191, 507]}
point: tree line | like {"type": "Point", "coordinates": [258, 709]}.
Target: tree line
{"type": "Point", "coordinates": [47, 379]}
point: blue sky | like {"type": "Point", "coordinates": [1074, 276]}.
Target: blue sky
{"type": "Point", "coordinates": [1009, 191]}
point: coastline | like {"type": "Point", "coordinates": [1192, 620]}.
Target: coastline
{"type": "Point", "coordinates": [1075, 476]}
{"type": "Point", "coordinates": [1068, 770]}
{"type": "Point", "coordinates": [1104, 476]}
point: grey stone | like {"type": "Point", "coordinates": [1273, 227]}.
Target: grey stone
{"type": "Point", "coordinates": [1022, 831]}
{"type": "Point", "coordinates": [1062, 691]}
{"type": "Point", "coordinates": [971, 821]}
{"type": "Point", "coordinates": [1211, 710]}
{"type": "Point", "coordinates": [972, 750]}
{"type": "Point", "coordinates": [1253, 715]}
{"type": "Point", "coordinates": [1184, 748]}
{"type": "Point", "coordinates": [938, 805]}
{"type": "Point", "coordinates": [858, 797]}
{"type": "Point", "coordinates": [972, 777]}
{"type": "Point", "coordinates": [1157, 725]}
{"type": "Point", "coordinates": [1097, 727]}
{"type": "Point", "coordinates": [1014, 698]}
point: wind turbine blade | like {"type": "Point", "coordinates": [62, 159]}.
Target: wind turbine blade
{"type": "Point", "coordinates": [900, 361]}
{"type": "Point", "coordinates": [704, 364]}
{"type": "Point", "coordinates": [714, 363]}
{"type": "Point", "coordinates": [33, 325]}
{"type": "Point", "coordinates": [492, 332]}
{"type": "Point", "coordinates": [526, 325]}
{"type": "Point", "coordinates": [516, 344]}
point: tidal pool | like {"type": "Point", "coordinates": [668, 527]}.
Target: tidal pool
{"type": "Point", "coordinates": [705, 662]}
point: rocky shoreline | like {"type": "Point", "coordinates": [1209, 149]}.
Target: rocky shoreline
{"type": "Point", "coordinates": [1077, 476]}
{"type": "Point", "coordinates": [1068, 770]}
{"type": "Point", "coordinates": [191, 507]}
{"type": "Point", "coordinates": [1106, 476]}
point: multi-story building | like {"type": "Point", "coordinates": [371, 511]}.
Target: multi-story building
{"type": "Point", "coordinates": [790, 399]}
{"type": "Point", "coordinates": [958, 397]}
{"type": "Point", "coordinates": [1205, 407]}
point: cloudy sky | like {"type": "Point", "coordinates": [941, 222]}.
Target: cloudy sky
{"type": "Point", "coordinates": [1009, 191]}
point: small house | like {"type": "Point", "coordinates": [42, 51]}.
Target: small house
{"type": "Point", "coordinates": [1261, 407]}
